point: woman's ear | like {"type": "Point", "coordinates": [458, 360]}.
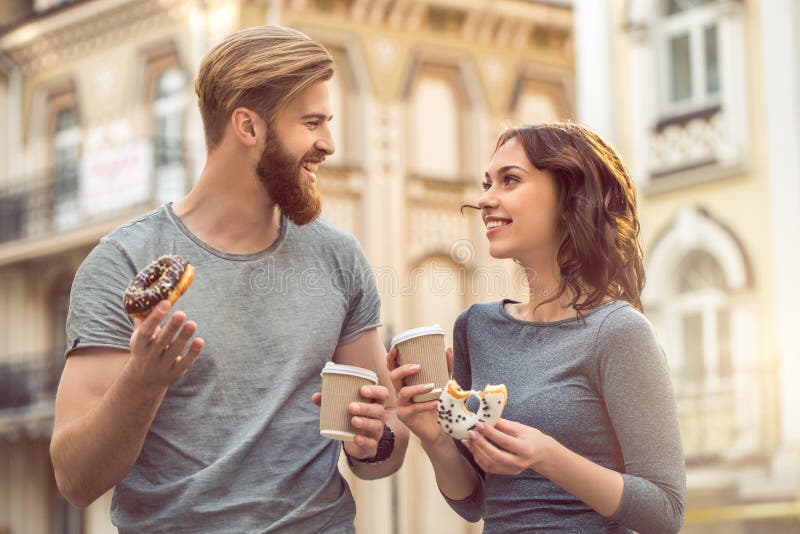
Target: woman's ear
{"type": "Point", "coordinates": [246, 126]}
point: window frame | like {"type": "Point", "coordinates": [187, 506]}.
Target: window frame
{"type": "Point", "coordinates": [452, 76]}
{"type": "Point", "coordinates": [66, 212]}
{"type": "Point", "coordinates": [728, 152]}
{"type": "Point", "coordinates": [157, 65]}
{"type": "Point", "coordinates": [706, 302]}
{"type": "Point", "coordinates": [349, 116]}
{"type": "Point", "coordinates": [692, 22]}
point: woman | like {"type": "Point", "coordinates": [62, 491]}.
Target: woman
{"type": "Point", "coordinates": [589, 439]}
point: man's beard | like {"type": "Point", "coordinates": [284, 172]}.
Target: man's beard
{"type": "Point", "coordinates": [282, 176]}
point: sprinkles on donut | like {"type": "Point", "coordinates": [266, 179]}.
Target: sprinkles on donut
{"type": "Point", "coordinates": [166, 278]}
{"type": "Point", "coordinates": [454, 417]}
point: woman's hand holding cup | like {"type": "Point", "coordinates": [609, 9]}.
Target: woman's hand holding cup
{"type": "Point", "coordinates": [420, 417]}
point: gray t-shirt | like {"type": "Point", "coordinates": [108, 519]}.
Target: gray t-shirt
{"type": "Point", "coordinates": [235, 446]}
{"type": "Point", "coordinates": [600, 387]}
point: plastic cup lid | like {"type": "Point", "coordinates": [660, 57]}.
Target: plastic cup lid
{"type": "Point", "coordinates": [417, 332]}
{"type": "Point", "coordinates": [352, 370]}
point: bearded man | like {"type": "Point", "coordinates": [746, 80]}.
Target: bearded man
{"type": "Point", "coordinates": [219, 433]}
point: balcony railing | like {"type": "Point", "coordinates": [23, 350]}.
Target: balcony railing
{"type": "Point", "coordinates": [28, 207]}
{"type": "Point", "coordinates": [28, 387]}
{"type": "Point", "coordinates": [105, 185]}
{"type": "Point", "coordinates": [29, 380]}
{"type": "Point", "coordinates": [708, 423]}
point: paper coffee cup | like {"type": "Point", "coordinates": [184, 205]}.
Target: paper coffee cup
{"type": "Point", "coordinates": [424, 346]}
{"type": "Point", "coordinates": [340, 387]}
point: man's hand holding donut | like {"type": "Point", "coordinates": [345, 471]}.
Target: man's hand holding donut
{"type": "Point", "coordinates": [368, 417]}
{"type": "Point", "coordinates": [160, 355]}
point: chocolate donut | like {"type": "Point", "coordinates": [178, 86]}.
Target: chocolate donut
{"type": "Point", "coordinates": [454, 416]}
{"type": "Point", "coordinates": [166, 278]}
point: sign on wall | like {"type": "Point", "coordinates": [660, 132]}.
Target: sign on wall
{"type": "Point", "coordinates": [116, 177]}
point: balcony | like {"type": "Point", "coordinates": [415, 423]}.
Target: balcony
{"type": "Point", "coordinates": [37, 206]}
{"type": "Point", "coordinates": [732, 446]}
{"type": "Point", "coordinates": [79, 203]}
{"type": "Point", "coordinates": [27, 393]}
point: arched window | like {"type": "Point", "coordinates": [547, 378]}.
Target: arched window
{"type": "Point", "coordinates": [704, 309]}
{"type": "Point", "coordinates": [436, 123]}
{"type": "Point", "coordinates": [66, 142]}
{"type": "Point", "coordinates": [169, 106]}
{"type": "Point", "coordinates": [698, 298]}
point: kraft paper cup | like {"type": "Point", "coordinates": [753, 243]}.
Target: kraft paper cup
{"type": "Point", "coordinates": [424, 346]}
{"type": "Point", "coordinates": [340, 387]}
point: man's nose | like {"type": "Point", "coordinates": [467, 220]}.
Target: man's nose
{"type": "Point", "coordinates": [325, 143]}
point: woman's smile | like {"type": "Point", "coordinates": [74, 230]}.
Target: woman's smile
{"type": "Point", "coordinates": [495, 225]}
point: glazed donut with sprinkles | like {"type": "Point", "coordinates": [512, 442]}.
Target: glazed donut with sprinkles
{"type": "Point", "coordinates": [166, 278]}
{"type": "Point", "coordinates": [454, 416]}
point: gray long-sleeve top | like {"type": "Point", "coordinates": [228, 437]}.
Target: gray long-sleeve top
{"type": "Point", "coordinates": [601, 387]}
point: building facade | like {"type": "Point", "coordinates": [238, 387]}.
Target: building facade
{"type": "Point", "coordinates": [98, 123]}
{"type": "Point", "coordinates": [701, 97]}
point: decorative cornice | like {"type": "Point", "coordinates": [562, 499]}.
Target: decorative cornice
{"type": "Point", "coordinates": [503, 23]}
{"type": "Point", "coordinates": [43, 44]}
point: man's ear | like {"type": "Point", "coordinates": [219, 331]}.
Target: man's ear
{"type": "Point", "coordinates": [247, 126]}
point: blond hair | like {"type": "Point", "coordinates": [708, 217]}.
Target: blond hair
{"type": "Point", "coordinates": [260, 68]}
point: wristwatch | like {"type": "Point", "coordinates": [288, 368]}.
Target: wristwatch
{"type": "Point", "coordinates": [385, 448]}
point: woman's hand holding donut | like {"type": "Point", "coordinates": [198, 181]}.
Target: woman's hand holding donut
{"type": "Point", "coordinates": [420, 417]}
{"type": "Point", "coordinates": [158, 357]}
{"type": "Point", "coordinates": [508, 447]}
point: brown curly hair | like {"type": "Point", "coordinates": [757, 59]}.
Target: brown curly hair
{"type": "Point", "coordinates": [600, 255]}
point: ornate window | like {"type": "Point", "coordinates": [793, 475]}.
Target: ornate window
{"type": "Point", "coordinates": [540, 99]}
{"type": "Point", "coordinates": [445, 100]}
{"type": "Point", "coordinates": [697, 298]}
{"type": "Point", "coordinates": [702, 303]}
{"type": "Point", "coordinates": [688, 87]}
{"type": "Point", "coordinates": [691, 62]}
{"type": "Point", "coordinates": [169, 108]}
{"type": "Point", "coordinates": [704, 370]}
{"type": "Point", "coordinates": [165, 92]}
{"type": "Point", "coordinates": [12, 212]}
{"type": "Point", "coordinates": [442, 98]}
{"type": "Point", "coordinates": [65, 149]}
{"type": "Point", "coordinates": [436, 124]}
